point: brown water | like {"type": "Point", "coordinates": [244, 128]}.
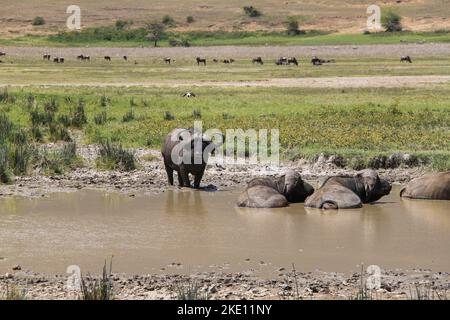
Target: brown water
{"type": "Point", "coordinates": [205, 231]}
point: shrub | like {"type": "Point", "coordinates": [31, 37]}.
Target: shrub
{"type": "Point", "coordinates": [391, 21]}
{"type": "Point", "coordinates": [5, 127]}
{"type": "Point", "coordinates": [37, 134]}
{"type": "Point", "coordinates": [190, 19]}
{"type": "Point", "coordinates": [5, 173]}
{"type": "Point", "coordinates": [196, 114]}
{"type": "Point", "coordinates": [123, 24]}
{"type": "Point", "coordinates": [38, 21]}
{"type": "Point", "coordinates": [183, 42]}
{"type": "Point", "coordinates": [68, 154]}
{"type": "Point", "coordinates": [31, 101]}
{"type": "Point", "coordinates": [190, 291]}
{"type": "Point", "coordinates": [168, 116]}
{"type": "Point", "coordinates": [292, 26]}
{"type": "Point", "coordinates": [79, 116]}
{"type": "Point", "coordinates": [168, 21]}
{"type": "Point", "coordinates": [14, 292]}
{"type": "Point", "coordinates": [98, 289]}
{"type": "Point", "coordinates": [115, 157]}
{"type": "Point", "coordinates": [58, 133]}
{"type": "Point", "coordinates": [129, 116]}
{"type": "Point", "coordinates": [21, 159]}
{"type": "Point", "coordinates": [100, 118]}
{"type": "Point", "coordinates": [64, 120]}
{"type": "Point", "coordinates": [104, 101]}
{"type": "Point", "coordinates": [251, 11]}
{"type": "Point", "coordinates": [7, 97]}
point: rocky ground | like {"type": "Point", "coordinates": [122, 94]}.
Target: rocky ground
{"type": "Point", "coordinates": [398, 285]}
{"type": "Point", "coordinates": [151, 177]}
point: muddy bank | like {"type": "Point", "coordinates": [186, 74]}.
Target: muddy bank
{"type": "Point", "coordinates": [151, 176]}
{"type": "Point", "coordinates": [395, 284]}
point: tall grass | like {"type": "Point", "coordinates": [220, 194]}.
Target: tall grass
{"type": "Point", "coordinates": [115, 157]}
{"type": "Point", "coordinates": [98, 289]}
{"type": "Point", "coordinates": [14, 292]}
{"type": "Point", "coordinates": [189, 291]}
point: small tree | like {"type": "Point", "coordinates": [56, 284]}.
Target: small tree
{"type": "Point", "coordinates": [156, 30]}
{"type": "Point", "coordinates": [292, 26]}
{"type": "Point", "coordinates": [190, 19]}
{"type": "Point", "coordinates": [38, 21]}
{"type": "Point", "coordinates": [252, 12]}
{"type": "Point", "coordinates": [391, 21]}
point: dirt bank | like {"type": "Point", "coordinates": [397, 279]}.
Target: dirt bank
{"type": "Point", "coordinates": [395, 284]}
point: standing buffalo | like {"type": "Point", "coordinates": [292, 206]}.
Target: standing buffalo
{"type": "Point", "coordinates": [125, 58]}
{"type": "Point", "coordinates": [107, 58]}
{"type": "Point", "coordinates": [349, 192]}
{"type": "Point", "coordinates": [186, 151]}
{"type": "Point", "coordinates": [431, 186]}
{"type": "Point", "coordinates": [201, 60]}
{"type": "Point", "coordinates": [275, 193]}
{"type": "Point", "coordinates": [46, 56]}
{"type": "Point", "coordinates": [406, 59]}
{"type": "Point", "coordinates": [2, 53]}
{"type": "Point", "coordinates": [167, 60]}
{"type": "Point", "coordinates": [258, 60]}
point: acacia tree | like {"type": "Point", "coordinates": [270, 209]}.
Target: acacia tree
{"type": "Point", "coordinates": [156, 30]}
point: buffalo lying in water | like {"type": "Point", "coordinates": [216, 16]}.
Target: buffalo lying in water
{"type": "Point", "coordinates": [349, 192]}
{"type": "Point", "coordinates": [435, 186]}
{"type": "Point", "coordinates": [275, 192]}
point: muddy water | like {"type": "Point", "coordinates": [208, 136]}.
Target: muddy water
{"type": "Point", "coordinates": [188, 231]}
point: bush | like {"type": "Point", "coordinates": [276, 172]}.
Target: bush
{"type": "Point", "coordinates": [38, 21]}
{"type": "Point", "coordinates": [98, 289]}
{"type": "Point", "coordinates": [79, 116]}
{"type": "Point", "coordinates": [391, 21]}
{"type": "Point", "coordinates": [7, 97]}
{"type": "Point", "coordinates": [252, 12]}
{"type": "Point", "coordinates": [5, 173]}
{"type": "Point", "coordinates": [129, 116]}
{"type": "Point", "coordinates": [179, 42]}
{"type": "Point", "coordinates": [190, 19]}
{"type": "Point", "coordinates": [115, 157]}
{"type": "Point", "coordinates": [5, 127]}
{"type": "Point", "coordinates": [123, 24]}
{"type": "Point", "coordinates": [100, 118]}
{"type": "Point", "coordinates": [168, 21]}
{"type": "Point", "coordinates": [21, 159]}
{"type": "Point", "coordinates": [104, 101]}
{"type": "Point", "coordinates": [168, 116]}
{"type": "Point", "coordinates": [292, 26]}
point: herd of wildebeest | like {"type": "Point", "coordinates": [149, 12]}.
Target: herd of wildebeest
{"type": "Point", "coordinates": [202, 61]}
{"type": "Point", "coordinates": [338, 192]}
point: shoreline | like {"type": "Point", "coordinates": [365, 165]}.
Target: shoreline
{"type": "Point", "coordinates": [395, 285]}
{"type": "Point", "coordinates": [150, 177]}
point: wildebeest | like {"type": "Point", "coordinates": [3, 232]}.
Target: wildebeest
{"type": "Point", "coordinates": [168, 60]}
{"type": "Point", "coordinates": [189, 95]}
{"type": "Point", "coordinates": [125, 58]}
{"type": "Point", "coordinates": [46, 56]}
{"type": "Point", "coordinates": [107, 58]}
{"type": "Point", "coordinates": [434, 186]}
{"type": "Point", "coordinates": [275, 192]}
{"type": "Point", "coordinates": [186, 151]}
{"type": "Point", "coordinates": [257, 60]}
{"type": "Point", "coordinates": [83, 57]}
{"type": "Point", "coordinates": [56, 60]}
{"type": "Point", "coordinates": [281, 61]}
{"type": "Point", "coordinates": [406, 59]}
{"type": "Point", "coordinates": [317, 62]}
{"type": "Point", "coordinates": [228, 61]}
{"type": "Point", "coordinates": [201, 60]}
{"type": "Point", "coordinates": [61, 60]}
{"type": "Point", "coordinates": [349, 192]}
{"type": "Point", "coordinates": [215, 60]}
{"type": "Point", "coordinates": [293, 60]}
{"type": "Point", "coordinates": [2, 53]}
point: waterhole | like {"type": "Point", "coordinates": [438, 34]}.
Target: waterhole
{"type": "Point", "coordinates": [185, 231]}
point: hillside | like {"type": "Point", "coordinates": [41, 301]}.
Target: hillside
{"type": "Point", "coordinates": [213, 15]}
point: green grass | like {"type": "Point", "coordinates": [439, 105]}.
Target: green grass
{"type": "Point", "coordinates": [352, 123]}
{"type": "Point", "coordinates": [110, 37]}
